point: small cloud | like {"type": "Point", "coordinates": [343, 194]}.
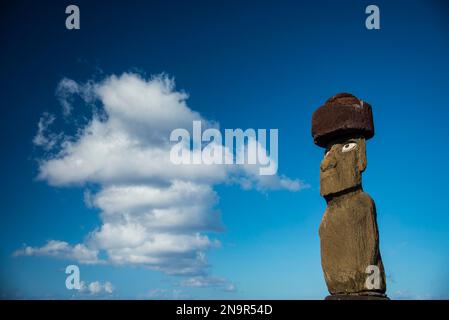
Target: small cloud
{"type": "Point", "coordinates": [61, 249]}
{"type": "Point", "coordinates": [43, 138]}
{"type": "Point", "coordinates": [408, 295]}
{"type": "Point", "coordinates": [208, 281]}
{"type": "Point", "coordinates": [65, 91]}
{"type": "Point", "coordinates": [167, 294]}
{"type": "Point", "coordinates": [108, 287]}
{"type": "Point", "coordinates": [68, 89]}
{"type": "Point", "coordinates": [97, 288]}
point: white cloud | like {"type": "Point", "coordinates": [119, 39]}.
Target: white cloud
{"type": "Point", "coordinates": [167, 294]}
{"type": "Point", "coordinates": [108, 287]}
{"type": "Point", "coordinates": [62, 249]}
{"type": "Point", "coordinates": [94, 287]}
{"type": "Point", "coordinates": [68, 89]}
{"type": "Point", "coordinates": [97, 288]}
{"type": "Point", "coordinates": [209, 281]}
{"type": "Point", "coordinates": [65, 92]}
{"type": "Point", "coordinates": [153, 213]}
{"type": "Point", "coordinates": [408, 295]}
{"type": "Point", "coordinates": [43, 138]}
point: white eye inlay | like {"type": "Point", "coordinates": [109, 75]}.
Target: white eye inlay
{"type": "Point", "coordinates": [349, 146]}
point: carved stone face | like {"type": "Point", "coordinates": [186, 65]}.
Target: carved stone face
{"type": "Point", "coordinates": [342, 166]}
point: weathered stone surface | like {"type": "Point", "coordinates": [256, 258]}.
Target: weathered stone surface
{"type": "Point", "coordinates": [350, 243]}
{"type": "Point", "coordinates": [341, 168]}
{"type": "Point", "coordinates": [357, 297]}
{"type": "Point", "coordinates": [348, 232]}
{"type": "Point", "coordinates": [342, 116]}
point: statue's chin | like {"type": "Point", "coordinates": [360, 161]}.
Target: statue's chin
{"type": "Point", "coordinates": [332, 183]}
{"type": "Point", "coordinates": [328, 190]}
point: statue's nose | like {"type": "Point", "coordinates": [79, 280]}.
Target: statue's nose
{"type": "Point", "coordinates": [328, 162]}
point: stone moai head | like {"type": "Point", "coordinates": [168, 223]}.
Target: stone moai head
{"type": "Point", "coordinates": [342, 166]}
{"type": "Point", "coordinates": [341, 126]}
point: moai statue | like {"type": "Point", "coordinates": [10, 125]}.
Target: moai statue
{"type": "Point", "coordinates": [349, 237]}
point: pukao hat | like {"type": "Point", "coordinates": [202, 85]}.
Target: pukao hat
{"type": "Point", "coordinates": [342, 116]}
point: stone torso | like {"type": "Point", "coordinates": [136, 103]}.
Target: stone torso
{"type": "Point", "coordinates": [349, 243]}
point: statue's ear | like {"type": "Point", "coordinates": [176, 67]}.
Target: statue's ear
{"type": "Point", "coordinates": [361, 154]}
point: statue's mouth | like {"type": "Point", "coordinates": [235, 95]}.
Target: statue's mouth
{"type": "Point", "coordinates": [328, 172]}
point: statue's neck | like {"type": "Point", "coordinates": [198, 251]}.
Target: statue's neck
{"type": "Point", "coordinates": [341, 195]}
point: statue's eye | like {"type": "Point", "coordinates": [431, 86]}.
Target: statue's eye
{"type": "Point", "coordinates": [349, 146]}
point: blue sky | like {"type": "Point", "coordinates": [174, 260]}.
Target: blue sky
{"type": "Point", "coordinates": [264, 64]}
